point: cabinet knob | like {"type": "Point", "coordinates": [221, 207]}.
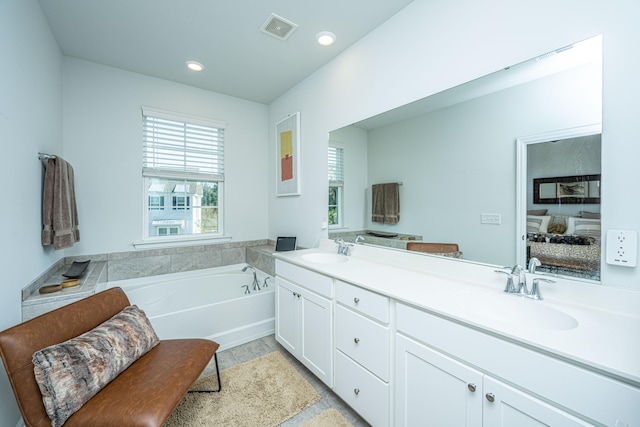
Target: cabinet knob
{"type": "Point", "coordinates": [356, 300]}
{"type": "Point", "coordinates": [356, 340]}
{"type": "Point", "coordinates": [356, 391]}
{"type": "Point", "coordinates": [490, 397]}
{"type": "Point", "coordinates": [471, 387]}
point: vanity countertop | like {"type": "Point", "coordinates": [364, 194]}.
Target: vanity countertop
{"type": "Point", "coordinates": [605, 338]}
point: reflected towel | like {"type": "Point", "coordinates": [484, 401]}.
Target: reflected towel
{"type": "Point", "coordinates": [385, 207]}
{"type": "Point", "coordinates": [59, 210]}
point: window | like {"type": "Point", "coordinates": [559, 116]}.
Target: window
{"type": "Point", "coordinates": [156, 202]}
{"type": "Point", "coordinates": [181, 202]}
{"type": "Point", "coordinates": [336, 185]}
{"type": "Point", "coordinates": [183, 163]}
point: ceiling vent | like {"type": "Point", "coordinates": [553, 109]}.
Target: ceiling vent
{"type": "Point", "coordinates": [278, 27]}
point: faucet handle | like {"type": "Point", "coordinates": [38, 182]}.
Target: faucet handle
{"type": "Point", "coordinates": [535, 289]}
{"type": "Point", "coordinates": [346, 250]}
{"type": "Point", "coordinates": [510, 288]}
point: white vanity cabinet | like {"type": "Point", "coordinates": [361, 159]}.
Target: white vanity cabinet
{"type": "Point", "coordinates": [433, 389]}
{"type": "Point", "coordinates": [304, 317]}
{"type": "Point", "coordinates": [362, 353]}
{"type": "Point", "coordinates": [457, 368]}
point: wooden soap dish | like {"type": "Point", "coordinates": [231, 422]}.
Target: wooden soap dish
{"type": "Point", "coordinates": [49, 289]}
{"type": "Point", "coordinates": [70, 283]}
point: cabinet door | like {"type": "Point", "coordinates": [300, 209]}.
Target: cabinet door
{"type": "Point", "coordinates": [287, 315]}
{"type": "Point", "coordinates": [506, 406]}
{"type": "Point", "coordinates": [317, 335]}
{"type": "Point", "coordinates": [435, 390]}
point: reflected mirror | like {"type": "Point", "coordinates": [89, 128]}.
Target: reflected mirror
{"type": "Point", "coordinates": [453, 164]}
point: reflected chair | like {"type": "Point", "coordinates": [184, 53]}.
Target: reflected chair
{"type": "Point", "coordinates": [444, 249]}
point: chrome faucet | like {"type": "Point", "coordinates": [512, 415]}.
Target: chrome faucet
{"type": "Point", "coordinates": [265, 284]}
{"type": "Point", "coordinates": [533, 264]}
{"type": "Point", "coordinates": [343, 248]}
{"type": "Point", "coordinates": [256, 285]}
{"type": "Point", "coordinates": [518, 273]}
{"type": "Point", "coordinates": [535, 289]}
{"type": "Point", "coordinates": [522, 279]}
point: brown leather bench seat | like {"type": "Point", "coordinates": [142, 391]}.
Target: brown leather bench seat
{"type": "Point", "coordinates": [145, 394]}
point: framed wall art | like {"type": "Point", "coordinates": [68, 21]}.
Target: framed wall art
{"type": "Point", "coordinates": [288, 156]}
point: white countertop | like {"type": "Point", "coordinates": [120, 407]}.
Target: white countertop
{"type": "Point", "coordinates": [606, 339]}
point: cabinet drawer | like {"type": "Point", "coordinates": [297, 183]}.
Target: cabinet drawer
{"type": "Point", "coordinates": [362, 391]}
{"type": "Point", "coordinates": [364, 301]}
{"type": "Point", "coordinates": [364, 340]}
{"type": "Point", "coordinates": [311, 280]}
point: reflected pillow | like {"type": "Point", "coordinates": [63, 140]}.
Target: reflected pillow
{"type": "Point", "coordinates": [586, 227]}
{"type": "Point", "coordinates": [538, 212]}
{"type": "Point", "coordinates": [589, 215]}
{"type": "Point", "coordinates": [537, 224]}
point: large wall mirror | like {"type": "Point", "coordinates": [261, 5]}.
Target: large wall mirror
{"type": "Point", "coordinates": [454, 157]}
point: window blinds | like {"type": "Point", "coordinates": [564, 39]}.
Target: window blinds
{"type": "Point", "coordinates": [336, 166]}
{"type": "Point", "coordinates": [183, 147]}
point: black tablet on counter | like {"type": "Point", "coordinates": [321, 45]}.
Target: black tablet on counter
{"type": "Point", "coordinates": [284, 244]}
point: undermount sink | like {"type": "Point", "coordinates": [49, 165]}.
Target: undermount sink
{"type": "Point", "coordinates": [516, 310]}
{"type": "Point", "coordinates": [325, 258]}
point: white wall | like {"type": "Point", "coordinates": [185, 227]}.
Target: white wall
{"type": "Point", "coordinates": [433, 45]}
{"type": "Point", "coordinates": [103, 142]}
{"type": "Point", "coordinates": [30, 121]}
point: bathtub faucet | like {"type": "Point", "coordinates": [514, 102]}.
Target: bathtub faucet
{"type": "Point", "coordinates": [256, 285]}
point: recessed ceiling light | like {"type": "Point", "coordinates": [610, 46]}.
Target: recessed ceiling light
{"type": "Point", "coordinates": [325, 38]}
{"type": "Point", "coordinates": [195, 66]}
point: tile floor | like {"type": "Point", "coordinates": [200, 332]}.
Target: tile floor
{"type": "Point", "coordinates": [260, 347]}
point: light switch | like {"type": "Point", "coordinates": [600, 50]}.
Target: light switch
{"type": "Point", "coordinates": [622, 247]}
{"type": "Point", "coordinates": [490, 218]}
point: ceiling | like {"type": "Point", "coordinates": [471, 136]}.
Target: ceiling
{"type": "Point", "coordinates": [157, 37]}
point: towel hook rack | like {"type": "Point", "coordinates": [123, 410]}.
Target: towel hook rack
{"type": "Point", "coordinates": [45, 156]}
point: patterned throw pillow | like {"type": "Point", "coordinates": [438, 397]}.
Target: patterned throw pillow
{"type": "Point", "coordinates": [587, 227]}
{"type": "Point", "coordinates": [70, 373]}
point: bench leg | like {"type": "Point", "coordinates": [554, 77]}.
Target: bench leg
{"type": "Point", "coordinates": [215, 357]}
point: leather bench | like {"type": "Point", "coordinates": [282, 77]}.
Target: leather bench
{"type": "Point", "coordinates": [144, 394]}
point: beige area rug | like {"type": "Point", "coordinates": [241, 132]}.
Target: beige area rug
{"type": "Point", "coordinates": [263, 392]}
{"type": "Point", "coordinates": [329, 418]}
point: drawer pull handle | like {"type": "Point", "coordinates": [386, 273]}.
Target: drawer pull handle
{"type": "Point", "coordinates": [356, 391]}
{"type": "Point", "coordinates": [490, 397]}
{"type": "Point", "coordinates": [356, 300]}
{"type": "Point", "coordinates": [471, 387]}
{"type": "Point", "coordinates": [356, 340]}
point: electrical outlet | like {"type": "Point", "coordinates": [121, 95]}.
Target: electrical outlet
{"type": "Point", "coordinates": [490, 218]}
{"type": "Point", "coordinates": [622, 247]}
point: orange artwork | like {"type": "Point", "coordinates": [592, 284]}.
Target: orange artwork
{"type": "Point", "coordinates": [286, 155]}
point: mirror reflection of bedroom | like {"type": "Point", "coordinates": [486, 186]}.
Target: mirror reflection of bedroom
{"type": "Point", "coordinates": [563, 206]}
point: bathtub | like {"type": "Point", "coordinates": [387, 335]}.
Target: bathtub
{"type": "Point", "coordinates": [209, 303]}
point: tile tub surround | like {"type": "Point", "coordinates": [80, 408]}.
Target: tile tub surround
{"type": "Point", "coordinates": [134, 264]}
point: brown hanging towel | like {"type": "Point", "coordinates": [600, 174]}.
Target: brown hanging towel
{"type": "Point", "coordinates": [59, 210]}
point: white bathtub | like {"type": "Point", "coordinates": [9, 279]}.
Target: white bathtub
{"type": "Point", "coordinates": [209, 303]}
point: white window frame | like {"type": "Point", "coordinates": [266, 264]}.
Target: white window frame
{"type": "Point", "coordinates": [168, 162]}
{"type": "Point", "coordinates": [335, 165]}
